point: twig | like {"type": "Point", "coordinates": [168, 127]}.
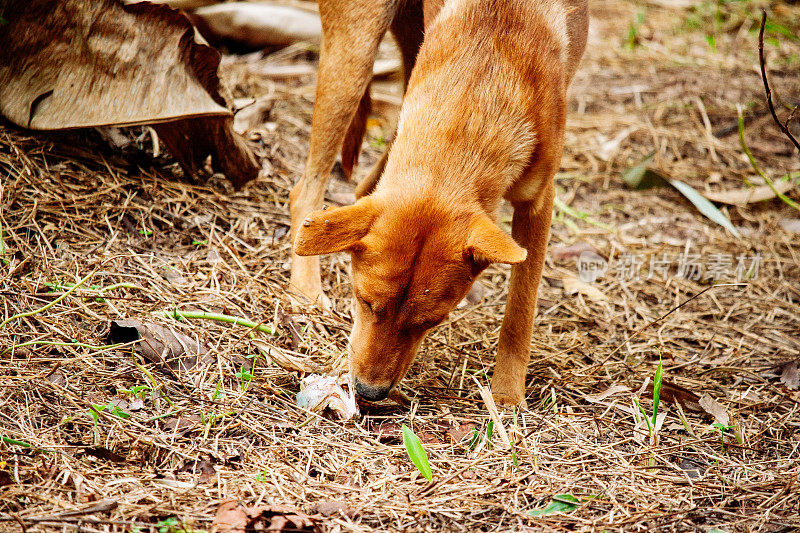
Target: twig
{"type": "Point", "coordinates": [96, 349]}
{"type": "Point", "coordinates": [790, 117]}
{"type": "Point", "coordinates": [51, 304]}
{"type": "Point", "coordinates": [659, 319]}
{"type": "Point", "coordinates": [761, 61]}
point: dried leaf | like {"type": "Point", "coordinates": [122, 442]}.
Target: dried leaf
{"type": "Point", "coordinates": [177, 4]}
{"type": "Point", "coordinates": [172, 352]}
{"type": "Point", "coordinates": [748, 195]}
{"type": "Point", "coordinates": [104, 453]}
{"type": "Point", "coordinates": [252, 115]}
{"type": "Point", "coordinates": [613, 389]}
{"type": "Point", "coordinates": [203, 468]}
{"type": "Point", "coordinates": [610, 147]}
{"type": "Point", "coordinates": [791, 225]}
{"type": "Point", "coordinates": [258, 24]}
{"type": "Point", "coordinates": [790, 376]}
{"type": "Point", "coordinates": [288, 322]}
{"type": "Point", "coordinates": [102, 506]}
{"type": "Point", "coordinates": [693, 468]}
{"type": "Point", "coordinates": [175, 484]}
{"type": "Point", "coordinates": [715, 409]}
{"type": "Point", "coordinates": [672, 393]}
{"type": "Point", "coordinates": [57, 74]}
{"type": "Point", "coordinates": [573, 285]}
{"type": "Point", "coordinates": [563, 253]}
{"type": "Point", "coordinates": [182, 424]}
{"type": "Point", "coordinates": [334, 508]}
{"type": "Point", "coordinates": [192, 140]}
{"type": "Point", "coordinates": [234, 517]}
{"type": "Point", "coordinates": [428, 437]}
{"type": "Point", "coordinates": [457, 433]}
{"type": "Point", "coordinates": [388, 432]}
{"type": "Point", "coordinates": [77, 64]}
{"type": "Point", "coordinates": [285, 359]}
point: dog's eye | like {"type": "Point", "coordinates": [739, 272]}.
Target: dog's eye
{"type": "Point", "coordinates": [428, 324]}
{"type": "Point", "coordinates": [365, 303]}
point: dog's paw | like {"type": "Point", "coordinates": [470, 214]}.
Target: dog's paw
{"type": "Point", "coordinates": [508, 399]}
{"type": "Point", "coordinates": [507, 392]}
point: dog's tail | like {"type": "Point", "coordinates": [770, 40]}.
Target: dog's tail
{"type": "Point", "coordinates": [355, 135]}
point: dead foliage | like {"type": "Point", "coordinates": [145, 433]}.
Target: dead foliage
{"type": "Point", "coordinates": [81, 63]}
{"type": "Point", "coordinates": [579, 457]}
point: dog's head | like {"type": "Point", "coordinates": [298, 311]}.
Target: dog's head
{"type": "Point", "coordinates": [411, 265]}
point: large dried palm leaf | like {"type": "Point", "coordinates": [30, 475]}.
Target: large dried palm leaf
{"type": "Point", "coordinates": [83, 63]}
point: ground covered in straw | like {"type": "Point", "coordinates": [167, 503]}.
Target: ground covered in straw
{"type": "Point", "coordinates": [100, 438]}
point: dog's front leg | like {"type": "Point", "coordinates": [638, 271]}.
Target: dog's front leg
{"type": "Point", "coordinates": [531, 229]}
{"type": "Point", "coordinates": [352, 31]}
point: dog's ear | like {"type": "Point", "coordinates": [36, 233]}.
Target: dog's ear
{"type": "Point", "coordinates": [487, 243]}
{"type": "Point", "coordinates": [335, 230]}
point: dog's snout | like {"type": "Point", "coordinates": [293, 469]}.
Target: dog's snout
{"type": "Point", "coordinates": [371, 393]}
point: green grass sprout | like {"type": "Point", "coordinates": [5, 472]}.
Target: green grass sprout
{"type": "Point", "coordinates": [218, 317]}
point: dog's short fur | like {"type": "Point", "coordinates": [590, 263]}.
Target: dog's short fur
{"type": "Point", "coordinates": [482, 120]}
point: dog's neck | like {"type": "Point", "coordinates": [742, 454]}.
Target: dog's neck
{"type": "Point", "coordinates": [476, 159]}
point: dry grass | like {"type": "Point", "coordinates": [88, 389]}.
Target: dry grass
{"type": "Point", "coordinates": [70, 208]}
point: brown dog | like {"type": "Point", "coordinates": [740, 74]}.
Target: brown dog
{"type": "Point", "coordinates": [483, 119]}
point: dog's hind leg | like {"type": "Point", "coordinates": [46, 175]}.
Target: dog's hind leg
{"type": "Point", "coordinates": [352, 30]}
{"type": "Point", "coordinates": [409, 30]}
{"type": "Point", "coordinates": [530, 227]}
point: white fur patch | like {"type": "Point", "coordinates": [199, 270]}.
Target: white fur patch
{"type": "Point", "coordinates": [553, 11]}
{"type": "Point", "coordinates": [556, 15]}
{"type": "Point", "coordinates": [449, 9]}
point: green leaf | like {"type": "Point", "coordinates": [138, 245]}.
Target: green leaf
{"type": "Point", "coordinates": [644, 415]}
{"type": "Point", "coordinates": [8, 440]}
{"type": "Point", "coordinates": [712, 42]}
{"type": "Point", "coordinates": [95, 410]}
{"type": "Point", "coordinates": [774, 27]}
{"type": "Point", "coordinates": [476, 438]}
{"type": "Point", "coordinates": [217, 394]}
{"type": "Point", "coordinates": [417, 453]}
{"type": "Point", "coordinates": [657, 390]}
{"type": "Point", "coordinates": [704, 206]}
{"type": "Point", "coordinates": [641, 177]}
{"type": "Point", "coordinates": [562, 503]}
{"type": "Point", "coordinates": [118, 412]}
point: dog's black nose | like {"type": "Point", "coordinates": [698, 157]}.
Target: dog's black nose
{"type": "Point", "coordinates": [373, 394]}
